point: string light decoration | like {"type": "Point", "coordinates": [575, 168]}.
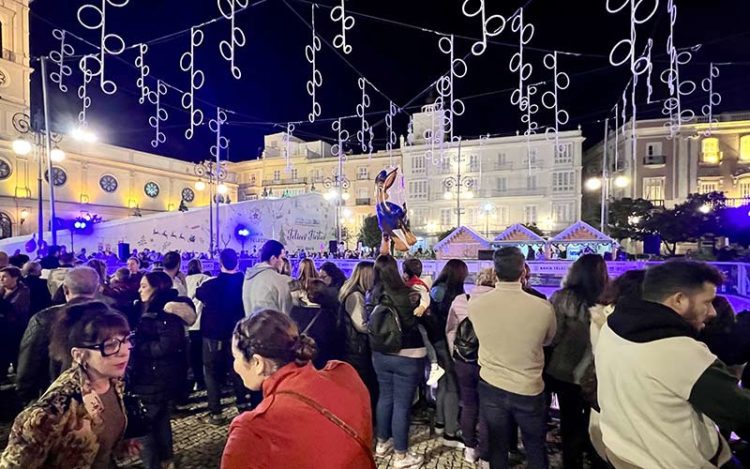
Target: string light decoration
{"type": "Point", "coordinates": [110, 43]}
{"type": "Point", "coordinates": [222, 143]}
{"type": "Point", "coordinates": [342, 135]}
{"type": "Point", "coordinates": [316, 81]}
{"type": "Point", "coordinates": [391, 141]}
{"type": "Point", "coordinates": [160, 115]}
{"type": "Point", "coordinates": [197, 79]}
{"type": "Point", "coordinates": [338, 14]}
{"type": "Point", "coordinates": [365, 130]}
{"type": "Point", "coordinates": [671, 77]}
{"type": "Point", "coordinates": [529, 109]}
{"type": "Point", "coordinates": [480, 46]}
{"type": "Point", "coordinates": [228, 9]}
{"type": "Point", "coordinates": [714, 99]}
{"type": "Point", "coordinates": [517, 65]}
{"type": "Point", "coordinates": [435, 135]}
{"type": "Point", "coordinates": [86, 78]}
{"type": "Point", "coordinates": [144, 70]}
{"type": "Point", "coordinates": [58, 58]}
{"type": "Point", "coordinates": [286, 139]}
{"type": "Point", "coordinates": [638, 65]}
{"type": "Point", "coordinates": [444, 86]}
{"type": "Point", "coordinates": [550, 100]}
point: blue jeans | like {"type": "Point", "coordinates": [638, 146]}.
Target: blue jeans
{"type": "Point", "coordinates": [398, 378]}
{"type": "Point", "coordinates": [157, 445]}
{"type": "Point", "coordinates": [500, 408]}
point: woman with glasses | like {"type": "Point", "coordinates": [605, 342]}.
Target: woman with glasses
{"type": "Point", "coordinates": [81, 419]}
{"type": "Point", "coordinates": [159, 362]}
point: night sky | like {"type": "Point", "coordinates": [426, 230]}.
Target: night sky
{"type": "Point", "coordinates": [399, 60]}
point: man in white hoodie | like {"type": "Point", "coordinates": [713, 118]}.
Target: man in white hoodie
{"type": "Point", "coordinates": [264, 286]}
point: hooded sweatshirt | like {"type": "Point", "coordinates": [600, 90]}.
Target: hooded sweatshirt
{"type": "Point", "coordinates": [265, 288]}
{"type": "Point", "coordinates": [662, 392]}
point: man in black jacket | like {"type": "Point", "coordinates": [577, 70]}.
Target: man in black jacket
{"type": "Point", "coordinates": [223, 308]}
{"type": "Point", "coordinates": [35, 369]}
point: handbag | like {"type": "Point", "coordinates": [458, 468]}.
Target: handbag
{"type": "Point", "coordinates": [345, 427]}
{"type": "Point", "coordinates": [139, 421]}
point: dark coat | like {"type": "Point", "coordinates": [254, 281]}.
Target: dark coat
{"type": "Point", "coordinates": [158, 362]}
{"type": "Point", "coordinates": [39, 293]}
{"type": "Point", "coordinates": [404, 301]}
{"type": "Point", "coordinates": [222, 305]}
{"type": "Point", "coordinates": [324, 331]}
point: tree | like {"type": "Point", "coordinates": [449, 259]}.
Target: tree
{"type": "Point", "coordinates": [370, 233]}
{"type": "Point", "coordinates": [628, 217]}
{"type": "Point", "coordinates": [444, 234]}
{"type": "Point", "coordinates": [534, 229]}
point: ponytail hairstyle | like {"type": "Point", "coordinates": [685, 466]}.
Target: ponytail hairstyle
{"type": "Point", "coordinates": [84, 324]}
{"type": "Point", "coordinates": [275, 337]}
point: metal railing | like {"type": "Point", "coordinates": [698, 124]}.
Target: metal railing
{"type": "Point", "coordinates": [362, 201]}
{"type": "Point", "coordinates": [284, 181]}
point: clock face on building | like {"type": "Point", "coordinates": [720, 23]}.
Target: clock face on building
{"type": "Point", "coordinates": [108, 183]}
{"type": "Point", "coordinates": [5, 169]}
{"type": "Point", "coordinates": [151, 189]}
{"type": "Point", "coordinates": [59, 177]}
{"type": "Point", "coordinates": [188, 195]}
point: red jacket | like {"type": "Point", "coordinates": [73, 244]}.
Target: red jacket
{"type": "Point", "coordinates": [283, 432]}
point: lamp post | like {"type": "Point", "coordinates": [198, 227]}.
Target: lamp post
{"type": "Point", "coordinates": [487, 208]}
{"type": "Point", "coordinates": [215, 173]}
{"type": "Point", "coordinates": [338, 190]}
{"type": "Point", "coordinates": [460, 183]}
{"type": "Point", "coordinates": [33, 138]}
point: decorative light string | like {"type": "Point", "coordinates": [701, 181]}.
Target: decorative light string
{"type": "Point", "coordinates": [338, 14]}
{"type": "Point", "coordinates": [58, 58]}
{"type": "Point", "coordinates": [342, 135]}
{"type": "Point", "coordinates": [144, 70]}
{"type": "Point", "coordinates": [160, 115]}
{"type": "Point", "coordinates": [671, 77]}
{"type": "Point", "coordinates": [228, 10]}
{"type": "Point", "coordinates": [364, 134]}
{"type": "Point", "coordinates": [529, 109]}
{"type": "Point", "coordinates": [197, 79]}
{"type": "Point", "coordinates": [222, 143]}
{"type": "Point", "coordinates": [444, 86]}
{"type": "Point", "coordinates": [316, 81]}
{"type": "Point", "coordinates": [561, 81]}
{"type": "Point", "coordinates": [286, 139]}
{"type": "Point", "coordinates": [86, 77]}
{"type": "Point", "coordinates": [391, 141]}
{"type": "Point", "coordinates": [109, 43]}
{"type": "Point", "coordinates": [517, 65]}
{"type": "Point", "coordinates": [714, 99]}
{"type": "Point", "coordinates": [480, 46]}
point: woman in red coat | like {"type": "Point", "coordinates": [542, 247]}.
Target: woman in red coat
{"type": "Point", "coordinates": [308, 418]}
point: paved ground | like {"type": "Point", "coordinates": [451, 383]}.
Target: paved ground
{"type": "Point", "coordinates": [199, 445]}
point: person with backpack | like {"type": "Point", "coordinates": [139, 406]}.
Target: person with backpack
{"type": "Point", "coordinates": [464, 348]}
{"type": "Point", "coordinates": [397, 355]}
{"type": "Point", "coordinates": [448, 285]}
{"type": "Point", "coordinates": [353, 324]}
{"type": "Point", "coordinates": [318, 319]}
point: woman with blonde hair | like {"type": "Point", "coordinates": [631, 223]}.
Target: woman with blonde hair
{"type": "Point", "coordinates": [353, 319]}
{"type": "Point", "coordinates": [464, 347]}
{"type": "Point", "coordinates": [306, 271]}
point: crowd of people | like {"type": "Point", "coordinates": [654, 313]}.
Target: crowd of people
{"type": "Point", "coordinates": [646, 368]}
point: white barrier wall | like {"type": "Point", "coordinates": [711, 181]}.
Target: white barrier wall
{"type": "Point", "coordinates": [303, 222]}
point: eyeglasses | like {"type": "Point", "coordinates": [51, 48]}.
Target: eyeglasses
{"type": "Point", "coordinates": [112, 346]}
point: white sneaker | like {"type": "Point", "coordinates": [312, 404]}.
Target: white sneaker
{"type": "Point", "coordinates": [435, 374]}
{"type": "Point", "coordinates": [383, 448]}
{"type": "Point", "coordinates": [470, 455]}
{"type": "Point", "coordinates": [407, 460]}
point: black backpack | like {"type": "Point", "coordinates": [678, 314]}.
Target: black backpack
{"type": "Point", "coordinates": [466, 344]}
{"type": "Point", "coordinates": [384, 327]}
{"type": "Point", "coordinates": [355, 342]}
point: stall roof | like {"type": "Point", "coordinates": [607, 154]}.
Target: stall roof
{"type": "Point", "coordinates": [458, 231]}
{"type": "Point", "coordinates": [581, 232]}
{"type": "Point", "coordinates": [518, 233]}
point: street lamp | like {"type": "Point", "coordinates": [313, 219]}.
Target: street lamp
{"type": "Point", "coordinates": [57, 155]}
{"type": "Point", "coordinates": [622, 182]}
{"type": "Point", "coordinates": [454, 185]}
{"type": "Point", "coordinates": [487, 208]}
{"type": "Point", "coordinates": [213, 173]}
{"type": "Point", "coordinates": [21, 147]}
{"type": "Point", "coordinates": [604, 184]}
{"type": "Point", "coordinates": [705, 208]}
{"type": "Point", "coordinates": [338, 192]}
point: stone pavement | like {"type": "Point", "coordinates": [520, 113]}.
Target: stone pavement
{"type": "Point", "coordinates": [199, 445]}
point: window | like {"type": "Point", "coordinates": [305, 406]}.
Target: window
{"type": "Point", "coordinates": [417, 164]}
{"type": "Point", "coordinates": [502, 184]}
{"type": "Point", "coordinates": [108, 183]}
{"type": "Point", "coordinates": [653, 149]}
{"type": "Point", "coordinates": [745, 148]}
{"type": "Point", "coordinates": [277, 175]}
{"type": "Point", "coordinates": [531, 154]}
{"type": "Point", "coordinates": [502, 215]}
{"type": "Point", "coordinates": [445, 216]}
{"type": "Point", "coordinates": [187, 194]}
{"type": "Point", "coordinates": [293, 173]}
{"type": "Point", "coordinates": [474, 163]}
{"type": "Point", "coordinates": [362, 173]}
{"type": "Point", "coordinates": [253, 179]}
{"type": "Point", "coordinates": [151, 189]}
{"type": "Point", "coordinates": [744, 188]}
{"type": "Point", "coordinates": [502, 160]}
{"type": "Point", "coordinates": [363, 192]}
{"type": "Point", "coordinates": [418, 189]}
{"type": "Point", "coordinates": [529, 214]}
{"type": "Point", "coordinates": [653, 188]}
{"type": "Point", "coordinates": [563, 181]}
{"type": "Point", "coordinates": [531, 182]}
{"type": "Point", "coordinates": [59, 176]}
{"type": "Point", "coordinates": [710, 150]}
{"type": "Point", "coordinates": [563, 154]}
{"type": "Point", "coordinates": [417, 217]}
{"type": "Point", "coordinates": [704, 187]}
{"type": "Point", "coordinates": [445, 165]}
{"type": "Point", "coordinates": [562, 213]}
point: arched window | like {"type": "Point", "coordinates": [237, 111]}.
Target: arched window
{"type": "Point", "coordinates": [6, 226]}
{"type": "Point", "coordinates": [710, 150]}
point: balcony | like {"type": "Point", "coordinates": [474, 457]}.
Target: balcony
{"type": "Point", "coordinates": [534, 163]}
{"type": "Point", "coordinates": [284, 182]}
{"type": "Point", "coordinates": [363, 177]}
{"type": "Point", "coordinates": [486, 193]}
{"type": "Point", "coordinates": [654, 160]}
{"type": "Point", "coordinates": [362, 201]}
{"type": "Point", "coordinates": [9, 55]}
